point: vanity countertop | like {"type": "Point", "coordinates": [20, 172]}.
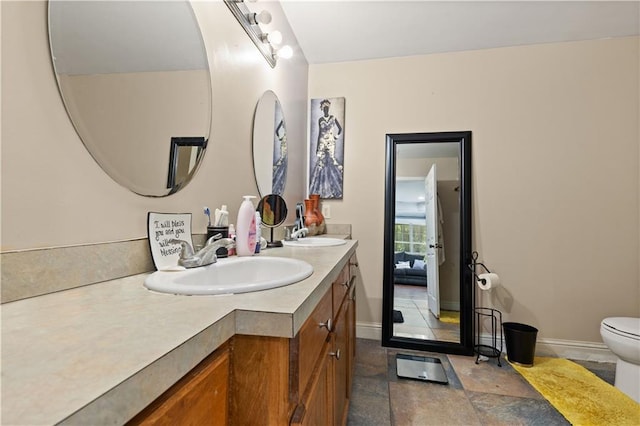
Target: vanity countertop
{"type": "Point", "coordinates": [99, 354]}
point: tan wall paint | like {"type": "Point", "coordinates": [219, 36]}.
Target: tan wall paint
{"type": "Point", "coordinates": [54, 194]}
{"type": "Point", "coordinates": [555, 170]}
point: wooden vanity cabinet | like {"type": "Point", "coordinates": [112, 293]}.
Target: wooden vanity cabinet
{"type": "Point", "coordinates": [325, 399]}
{"type": "Point", "coordinates": [199, 398]}
{"type": "Point", "coordinates": [259, 380]}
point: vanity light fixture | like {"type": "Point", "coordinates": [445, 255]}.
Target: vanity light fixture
{"type": "Point", "coordinates": [265, 42]}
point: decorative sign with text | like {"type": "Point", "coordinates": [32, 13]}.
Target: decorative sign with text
{"type": "Point", "coordinates": [162, 228]}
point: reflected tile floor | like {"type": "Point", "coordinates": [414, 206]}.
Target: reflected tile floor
{"type": "Point", "coordinates": [477, 394]}
{"type": "Point", "coordinates": [419, 323]}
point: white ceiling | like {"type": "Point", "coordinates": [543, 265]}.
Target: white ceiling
{"type": "Point", "coordinates": [338, 30]}
{"type": "Point", "coordinates": [410, 190]}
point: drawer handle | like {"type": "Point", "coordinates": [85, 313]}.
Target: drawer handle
{"type": "Point", "coordinates": [335, 354]}
{"type": "Point", "coordinates": [325, 324]}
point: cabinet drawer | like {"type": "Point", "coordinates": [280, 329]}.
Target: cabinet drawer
{"type": "Point", "coordinates": [199, 398]}
{"type": "Point", "coordinates": [339, 289]}
{"type": "Point", "coordinates": [312, 337]}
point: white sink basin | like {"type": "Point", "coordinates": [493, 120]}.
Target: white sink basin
{"type": "Point", "coordinates": [231, 275]}
{"type": "Point", "coordinates": [315, 242]}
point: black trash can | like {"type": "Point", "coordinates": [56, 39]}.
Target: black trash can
{"type": "Point", "coordinates": [520, 340]}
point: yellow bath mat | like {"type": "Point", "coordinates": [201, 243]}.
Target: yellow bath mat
{"type": "Point", "coordinates": [579, 395]}
{"type": "Point", "coordinates": [450, 317]}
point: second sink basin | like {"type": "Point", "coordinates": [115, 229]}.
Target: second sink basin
{"type": "Point", "coordinates": [231, 275]}
{"type": "Point", "coordinates": [315, 242]}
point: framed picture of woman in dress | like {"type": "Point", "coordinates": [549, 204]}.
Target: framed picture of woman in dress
{"type": "Point", "coordinates": [326, 147]}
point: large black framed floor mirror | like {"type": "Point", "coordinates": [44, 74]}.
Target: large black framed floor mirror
{"type": "Point", "coordinates": [428, 286]}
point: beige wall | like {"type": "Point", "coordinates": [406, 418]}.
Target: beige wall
{"type": "Point", "coordinates": [555, 170]}
{"type": "Point", "coordinates": [54, 194]}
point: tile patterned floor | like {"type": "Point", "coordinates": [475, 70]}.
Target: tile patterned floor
{"type": "Point", "coordinates": [419, 323]}
{"type": "Point", "coordinates": [477, 394]}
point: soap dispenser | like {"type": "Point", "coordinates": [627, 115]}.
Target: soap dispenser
{"type": "Point", "coordinates": [246, 228]}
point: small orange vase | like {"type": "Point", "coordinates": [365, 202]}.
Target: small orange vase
{"type": "Point", "coordinates": [311, 218]}
{"type": "Point", "coordinates": [316, 206]}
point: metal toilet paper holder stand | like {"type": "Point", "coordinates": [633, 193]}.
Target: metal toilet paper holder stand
{"type": "Point", "coordinates": [493, 316]}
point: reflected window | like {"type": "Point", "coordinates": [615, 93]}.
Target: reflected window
{"type": "Point", "coordinates": [410, 238]}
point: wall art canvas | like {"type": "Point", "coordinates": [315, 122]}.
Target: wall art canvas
{"type": "Point", "coordinates": [326, 147]}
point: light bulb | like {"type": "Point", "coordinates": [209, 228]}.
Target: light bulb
{"type": "Point", "coordinates": [263, 17]}
{"type": "Point", "coordinates": [274, 37]}
{"type": "Point", "coordinates": [286, 52]}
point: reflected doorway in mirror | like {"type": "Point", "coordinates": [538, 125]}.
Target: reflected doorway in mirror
{"type": "Point", "coordinates": [184, 158]}
{"type": "Point", "coordinates": [326, 147]}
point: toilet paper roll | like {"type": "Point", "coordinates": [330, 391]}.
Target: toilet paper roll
{"type": "Point", "coordinates": [488, 281]}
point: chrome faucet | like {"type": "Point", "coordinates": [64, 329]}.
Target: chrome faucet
{"type": "Point", "coordinates": [206, 255]}
{"type": "Point", "coordinates": [298, 233]}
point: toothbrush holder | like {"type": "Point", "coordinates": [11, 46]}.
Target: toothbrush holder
{"type": "Point", "coordinates": [213, 230]}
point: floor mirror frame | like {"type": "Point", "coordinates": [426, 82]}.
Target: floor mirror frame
{"type": "Point", "coordinates": [465, 345]}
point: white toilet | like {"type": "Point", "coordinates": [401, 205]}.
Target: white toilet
{"type": "Point", "coordinates": [622, 337]}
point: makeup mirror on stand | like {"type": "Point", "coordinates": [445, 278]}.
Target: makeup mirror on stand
{"type": "Point", "coordinates": [273, 212]}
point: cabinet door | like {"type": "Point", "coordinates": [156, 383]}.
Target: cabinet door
{"type": "Point", "coordinates": [312, 337]}
{"type": "Point", "coordinates": [317, 404]}
{"type": "Point", "coordinates": [339, 289]}
{"type": "Point", "coordinates": [340, 356]}
{"type": "Point", "coordinates": [350, 305]}
{"type": "Point", "coordinates": [199, 398]}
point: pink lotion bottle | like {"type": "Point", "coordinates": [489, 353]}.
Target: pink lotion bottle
{"type": "Point", "coordinates": [246, 228]}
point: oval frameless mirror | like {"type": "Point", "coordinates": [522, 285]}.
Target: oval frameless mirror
{"type": "Point", "coordinates": [273, 212]}
{"type": "Point", "coordinates": [135, 81]}
{"type": "Point", "coordinates": [269, 145]}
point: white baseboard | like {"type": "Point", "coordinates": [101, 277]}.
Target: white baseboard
{"type": "Point", "coordinates": [369, 330]}
{"type": "Point", "coordinates": [449, 306]}
{"type": "Point", "coordinates": [570, 349]}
